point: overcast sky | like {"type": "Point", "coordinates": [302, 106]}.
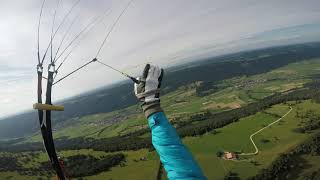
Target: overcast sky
{"type": "Point", "coordinates": [163, 32]}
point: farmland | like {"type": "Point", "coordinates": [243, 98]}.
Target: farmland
{"type": "Point", "coordinates": [235, 137]}
{"type": "Point", "coordinates": [185, 102]}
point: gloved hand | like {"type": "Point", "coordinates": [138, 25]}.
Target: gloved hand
{"type": "Point", "coordinates": [148, 90]}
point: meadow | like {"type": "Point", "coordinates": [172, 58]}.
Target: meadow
{"type": "Point", "coordinates": [181, 104]}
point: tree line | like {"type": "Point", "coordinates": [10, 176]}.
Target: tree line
{"type": "Point", "coordinates": [196, 126]}
{"type": "Point", "coordinates": [310, 121]}
{"type": "Point", "coordinates": [121, 95]}
{"type": "Point", "coordinates": [87, 165]}
{"type": "Point", "coordinates": [288, 165]}
{"type": "Point", "coordinates": [224, 118]}
{"type": "Point", "coordinates": [75, 166]}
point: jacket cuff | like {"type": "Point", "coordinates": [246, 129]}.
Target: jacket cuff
{"type": "Point", "coordinates": [151, 108]}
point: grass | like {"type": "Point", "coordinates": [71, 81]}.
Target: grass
{"type": "Point", "coordinates": [182, 103]}
{"type": "Point", "coordinates": [17, 176]}
{"type": "Point", "coordinates": [135, 170]}
{"type": "Point", "coordinates": [235, 137]}
{"type": "Point", "coordinates": [133, 164]}
{"type": "Point", "coordinates": [278, 110]}
{"type": "Point", "coordinates": [236, 92]}
{"type": "Point", "coordinates": [227, 136]}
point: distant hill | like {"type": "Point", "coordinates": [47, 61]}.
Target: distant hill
{"type": "Point", "coordinates": [208, 70]}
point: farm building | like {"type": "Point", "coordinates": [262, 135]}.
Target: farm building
{"type": "Point", "coordinates": [230, 155]}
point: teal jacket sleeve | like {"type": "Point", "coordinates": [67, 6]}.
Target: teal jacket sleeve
{"type": "Point", "coordinates": [175, 157]}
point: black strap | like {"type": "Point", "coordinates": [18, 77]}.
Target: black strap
{"type": "Point", "coordinates": [45, 125]}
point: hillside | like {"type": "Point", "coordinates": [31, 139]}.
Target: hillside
{"type": "Point", "coordinates": [188, 101]}
{"type": "Point", "coordinates": [225, 67]}
{"type": "Point", "coordinates": [212, 116]}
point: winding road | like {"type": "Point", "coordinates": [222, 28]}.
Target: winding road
{"type": "Point", "coordinates": [252, 135]}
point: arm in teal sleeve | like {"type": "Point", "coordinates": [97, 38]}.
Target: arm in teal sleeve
{"type": "Point", "coordinates": [175, 157]}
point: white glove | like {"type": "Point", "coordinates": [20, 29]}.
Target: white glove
{"type": "Point", "coordinates": [148, 90]}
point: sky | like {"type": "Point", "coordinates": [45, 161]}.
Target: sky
{"type": "Point", "coordinates": [165, 32]}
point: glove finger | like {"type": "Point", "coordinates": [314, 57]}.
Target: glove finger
{"type": "Point", "coordinates": [154, 73]}
{"type": "Point", "coordinates": [135, 88]}
{"type": "Point", "coordinates": [159, 81]}
{"type": "Point", "coordinates": [160, 78]}
{"type": "Point", "coordinates": [146, 71]}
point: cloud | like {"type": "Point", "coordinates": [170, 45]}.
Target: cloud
{"type": "Point", "coordinates": [164, 32]}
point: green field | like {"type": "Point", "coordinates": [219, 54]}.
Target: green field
{"type": "Point", "coordinates": [135, 170]}
{"type": "Point", "coordinates": [182, 103]}
{"type": "Point", "coordinates": [235, 137]}
{"type": "Point", "coordinates": [132, 164]}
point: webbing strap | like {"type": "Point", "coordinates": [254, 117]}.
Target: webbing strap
{"type": "Point", "coordinates": [45, 125]}
{"type": "Point", "coordinates": [148, 93]}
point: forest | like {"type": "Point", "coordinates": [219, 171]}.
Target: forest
{"type": "Point", "coordinates": [193, 127]}
{"type": "Point", "coordinates": [121, 94]}
{"type": "Point", "coordinates": [75, 166]}
{"type": "Point", "coordinates": [290, 163]}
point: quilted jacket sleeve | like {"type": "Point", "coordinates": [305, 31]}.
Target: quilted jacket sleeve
{"type": "Point", "coordinates": [175, 157]}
